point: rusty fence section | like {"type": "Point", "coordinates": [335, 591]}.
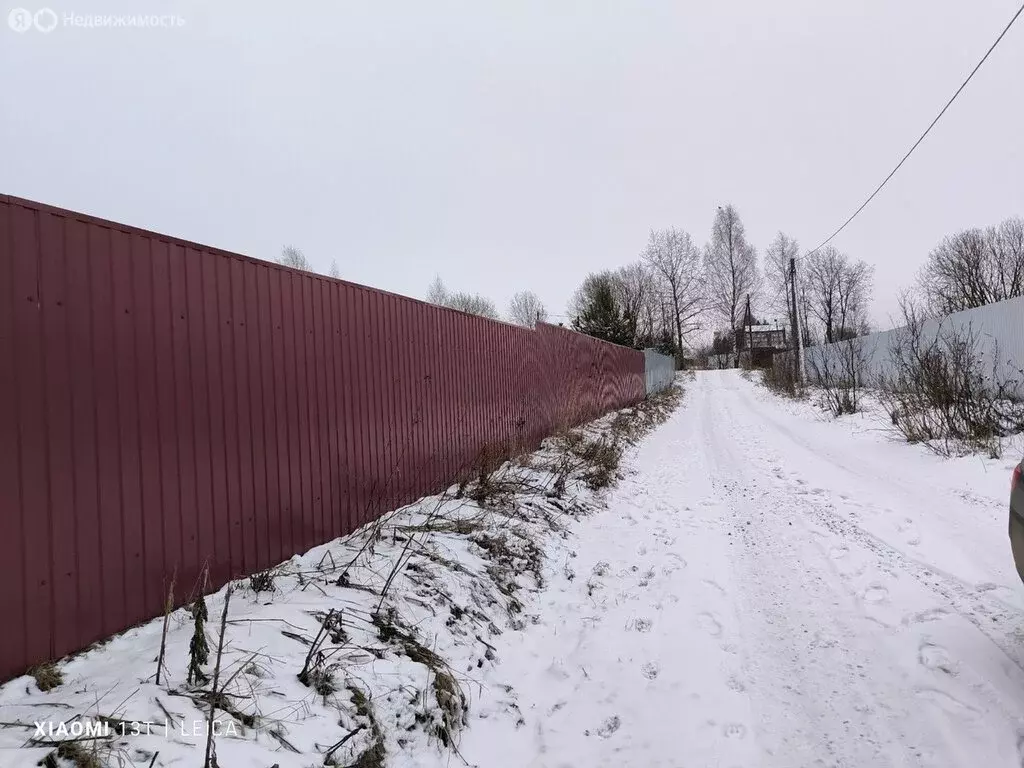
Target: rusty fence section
{"type": "Point", "coordinates": [164, 405]}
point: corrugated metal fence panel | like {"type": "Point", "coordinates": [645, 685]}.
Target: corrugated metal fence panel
{"type": "Point", "coordinates": [166, 408]}
{"type": "Point", "coordinates": [660, 370]}
{"type": "Point", "coordinates": [998, 329]}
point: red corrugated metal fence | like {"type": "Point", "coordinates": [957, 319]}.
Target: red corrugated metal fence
{"type": "Point", "coordinates": [164, 405]}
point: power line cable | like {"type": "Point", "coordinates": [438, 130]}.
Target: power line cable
{"type": "Point", "coordinates": [923, 135]}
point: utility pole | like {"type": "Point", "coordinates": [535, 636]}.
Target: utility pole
{"type": "Point", "coordinates": [798, 361]}
{"type": "Point", "coordinates": [750, 333]}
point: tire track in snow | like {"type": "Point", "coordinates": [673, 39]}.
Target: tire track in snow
{"type": "Point", "coordinates": [993, 617]}
{"type": "Point", "coordinates": [888, 728]}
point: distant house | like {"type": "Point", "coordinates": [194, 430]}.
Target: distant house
{"type": "Point", "coordinates": [758, 342]}
{"type": "Point", "coordinates": [761, 337]}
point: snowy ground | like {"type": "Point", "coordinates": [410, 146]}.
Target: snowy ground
{"type": "Point", "coordinates": [764, 587]}
{"type": "Point", "coordinates": [771, 588]}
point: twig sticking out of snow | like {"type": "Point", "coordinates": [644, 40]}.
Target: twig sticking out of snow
{"type": "Point", "coordinates": [211, 757]}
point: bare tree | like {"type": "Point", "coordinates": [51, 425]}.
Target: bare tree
{"type": "Point", "coordinates": [776, 273]}
{"type": "Point", "coordinates": [473, 303]}
{"type": "Point", "coordinates": [975, 267]}
{"type": "Point", "coordinates": [294, 258]}
{"type": "Point", "coordinates": [635, 292]}
{"type": "Point", "coordinates": [838, 291]}
{"type": "Point", "coordinates": [1006, 252]}
{"type": "Point", "coordinates": [334, 271]}
{"type": "Point", "coordinates": [437, 293]}
{"type": "Point", "coordinates": [730, 264]}
{"type": "Point", "coordinates": [676, 264]}
{"type": "Point", "coordinates": [526, 309]}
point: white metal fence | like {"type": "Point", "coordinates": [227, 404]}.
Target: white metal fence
{"type": "Point", "coordinates": [659, 370]}
{"type": "Point", "coordinates": [998, 329]}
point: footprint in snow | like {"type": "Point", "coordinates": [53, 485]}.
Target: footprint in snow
{"type": "Point", "coordinates": [932, 614]}
{"type": "Point", "coordinates": [557, 706]}
{"type": "Point", "coordinates": [934, 657]}
{"type": "Point", "coordinates": [876, 594]}
{"type": "Point", "coordinates": [715, 585]}
{"type": "Point", "coordinates": [735, 684]}
{"type": "Point", "coordinates": [734, 730]}
{"type": "Point", "coordinates": [609, 726]}
{"type": "Point", "coordinates": [710, 624]}
{"type": "Point", "coordinates": [650, 670]}
{"type": "Point", "coordinates": [557, 671]}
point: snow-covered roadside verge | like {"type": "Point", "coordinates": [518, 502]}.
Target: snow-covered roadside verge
{"type": "Point", "coordinates": [960, 418]}
{"type": "Point", "coordinates": [874, 415]}
{"type": "Point", "coordinates": [375, 649]}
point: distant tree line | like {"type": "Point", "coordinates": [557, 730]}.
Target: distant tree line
{"type": "Point", "coordinates": [683, 298]}
{"type": "Point", "coordinates": [677, 290]}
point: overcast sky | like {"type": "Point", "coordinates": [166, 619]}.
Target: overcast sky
{"type": "Point", "coordinates": [509, 145]}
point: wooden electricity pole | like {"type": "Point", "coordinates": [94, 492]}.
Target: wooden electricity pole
{"type": "Point", "coordinates": [794, 321]}
{"type": "Point", "coordinates": [750, 333]}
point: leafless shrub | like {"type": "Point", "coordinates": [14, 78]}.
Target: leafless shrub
{"type": "Point", "coordinates": [318, 672]}
{"type": "Point", "coordinates": [939, 391]}
{"type": "Point", "coordinates": [263, 581]}
{"type": "Point", "coordinates": [781, 378]}
{"type": "Point", "coordinates": [839, 370]}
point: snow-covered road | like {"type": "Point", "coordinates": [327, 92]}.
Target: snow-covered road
{"type": "Point", "coordinates": [768, 588]}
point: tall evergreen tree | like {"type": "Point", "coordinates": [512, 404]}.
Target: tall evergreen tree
{"type": "Point", "coordinates": [601, 317]}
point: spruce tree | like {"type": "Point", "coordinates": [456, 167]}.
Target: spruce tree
{"type": "Point", "coordinates": [602, 318]}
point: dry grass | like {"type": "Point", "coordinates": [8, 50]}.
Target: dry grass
{"type": "Point", "coordinates": [374, 755]}
{"type": "Point", "coordinates": [80, 755]}
{"type": "Point", "coordinates": [781, 379]}
{"type": "Point", "coordinates": [447, 692]}
{"type": "Point", "coordinates": [47, 676]}
{"type": "Point", "coordinates": [263, 581]}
